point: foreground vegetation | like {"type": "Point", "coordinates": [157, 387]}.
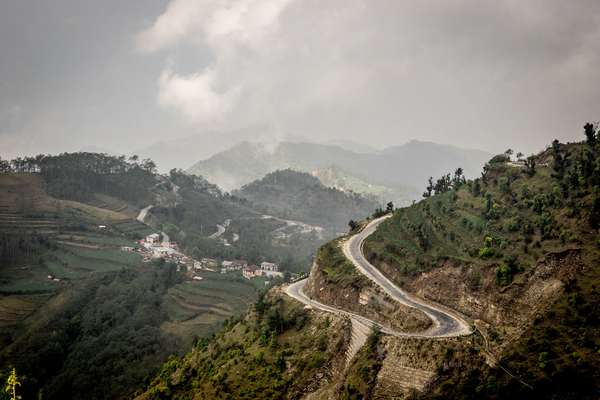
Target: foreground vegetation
{"type": "Point", "coordinates": [275, 352]}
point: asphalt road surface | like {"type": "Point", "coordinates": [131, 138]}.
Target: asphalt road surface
{"type": "Point", "coordinates": [445, 322]}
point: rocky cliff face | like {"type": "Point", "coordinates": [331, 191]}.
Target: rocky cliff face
{"type": "Point", "coordinates": [506, 311]}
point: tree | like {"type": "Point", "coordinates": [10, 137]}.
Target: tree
{"type": "Point", "coordinates": [560, 161]}
{"type": "Point", "coordinates": [459, 179]}
{"type": "Point", "coordinates": [594, 218]}
{"type": "Point", "coordinates": [390, 207]}
{"type": "Point", "coordinates": [509, 152]}
{"type": "Point", "coordinates": [476, 187]}
{"type": "Point", "coordinates": [353, 225]}
{"type": "Point", "coordinates": [4, 166]}
{"type": "Point", "coordinates": [530, 165]}
{"type": "Point", "coordinates": [429, 188]}
{"type": "Point", "coordinates": [11, 385]}
{"type": "Point", "coordinates": [520, 156]}
{"type": "Point", "coordinates": [443, 184]}
{"type": "Point", "coordinates": [590, 134]}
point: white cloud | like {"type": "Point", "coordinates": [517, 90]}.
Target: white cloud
{"type": "Point", "coordinates": [228, 28]}
{"type": "Point", "coordinates": [383, 70]}
{"type": "Point", "coordinates": [196, 96]}
{"type": "Point", "coordinates": [178, 20]}
{"type": "Point", "coordinates": [239, 20]}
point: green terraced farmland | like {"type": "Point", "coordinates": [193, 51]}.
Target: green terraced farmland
{"type": "Point", "coordinates": [197, 308]}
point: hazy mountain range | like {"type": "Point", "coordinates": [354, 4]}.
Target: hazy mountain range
{"type": "Point", "coordinates": [402, 170]}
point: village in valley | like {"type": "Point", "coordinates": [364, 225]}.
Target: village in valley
{"type": "Point", "coordinates": [157, 246]}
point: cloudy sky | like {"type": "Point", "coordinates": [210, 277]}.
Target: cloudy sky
{"type": "Point", "coordinates": [120, 75]}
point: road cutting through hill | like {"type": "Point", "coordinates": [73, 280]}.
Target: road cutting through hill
{"type": "Point", "coordinates": [446, 323]}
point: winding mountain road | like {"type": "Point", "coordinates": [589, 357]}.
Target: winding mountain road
{"type": "Point", "coordinates": [445, 322]}
{"type": "Point", "coordinates": [143, 212]}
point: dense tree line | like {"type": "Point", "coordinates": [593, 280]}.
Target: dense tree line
{"type": "Point", "coordinates": [15, 247]}
{"type": "Point", "coordinates": [103, 343]}
{"type": "Point", "coordinates": [445, 183]}
{"type": "Point", "coordinates": [79, 175]}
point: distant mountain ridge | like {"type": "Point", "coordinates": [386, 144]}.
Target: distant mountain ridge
{"type": "Point", "coordinates": [408, 165]}
{"type": "Point", "coordinates": [300, 196]}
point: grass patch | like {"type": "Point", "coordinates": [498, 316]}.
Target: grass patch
{"type": "Point", "coordinates": [336, 267]}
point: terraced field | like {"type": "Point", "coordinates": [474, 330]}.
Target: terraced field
{"type": "Point", "coordinates": [13, 308]}
{"type": "Point", "coordinates": [196, 308]}
{"type": "Point", "coordinates": [111, 203]}
{"type": "Point", "coordinates": [79, 254]}
{"type": "Point", "coordinates": [132, 227]}
{"type": "Point", "coordinates": [43, 225]}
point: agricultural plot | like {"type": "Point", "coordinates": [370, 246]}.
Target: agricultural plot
{"type": "Point", "coordinates": [13, 308]}
{"type": "Point", "coordinates": [111, 203]}
{"type": "Point", "coordinates": [72, 262]}
{"type": "Point", "coordinates": [197, 308]}
{"type": "Point", "coordinates": [30, 279]}
{"type": "Point", "coordinates": [132, 227]}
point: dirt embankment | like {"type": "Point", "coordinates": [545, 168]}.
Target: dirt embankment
{"type": "Point", "coordinates": [414, 364]}
{"type": "Point", "coordinates": [367, 300]}
{"type": "Point", "coordinates": [507, 310]}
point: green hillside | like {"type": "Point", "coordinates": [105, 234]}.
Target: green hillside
{"type": "Point", "coordinates": [113, 319]}
{"type": "Point", "coordinates": [272, 353]}
{"type": "Point", "coordinates": [516, 251]}
{"type": "Point", "coordinates": [496, 235]}
{"type": "Point", "coordinates": [299, 196]}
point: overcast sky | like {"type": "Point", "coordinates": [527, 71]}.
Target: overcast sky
{"type": "Point", "coordinates": [123, 74]}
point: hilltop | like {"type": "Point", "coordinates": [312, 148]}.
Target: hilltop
{"type": "Point", "coordinates": [300, 196]}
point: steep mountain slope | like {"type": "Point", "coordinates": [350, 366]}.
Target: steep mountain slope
{"type": "Point", "coordinates": [515, 251]}
{"type": "Point", "coordinates": [398, 167]}
{"type": "Point", "coordinates": [302, 197]}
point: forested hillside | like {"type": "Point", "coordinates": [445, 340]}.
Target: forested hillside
{"type": "Point", "coordinates": [275, 352]}
{"type": "Point", "coordinates": [299, 196]}
{"type": "Point", "coordinates": [519, 249]}
{"type": "Point", "coordinates": [516, 252]}
{"type": "Point", "coordinates": [78, 176]}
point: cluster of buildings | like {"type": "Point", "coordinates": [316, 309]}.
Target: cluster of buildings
{"type": "Point", "coordinates": [266, 269]}
{"type": "Point", "coordinates": [158, 248]}
{"type": "Point", "coordinates": [152, 247]}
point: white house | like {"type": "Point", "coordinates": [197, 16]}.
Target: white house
{"type": "Point", "coordinates": [153, 238]}
{"type": "Point", "coordinates": [267, 266]}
